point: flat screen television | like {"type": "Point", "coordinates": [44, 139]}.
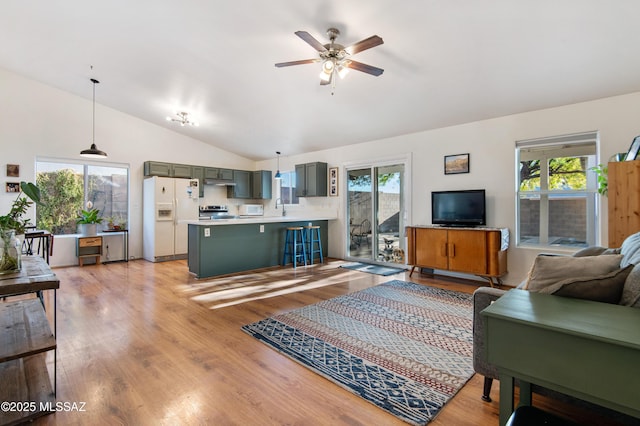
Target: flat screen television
{"type": "Point", "coordinates": [458, 208]}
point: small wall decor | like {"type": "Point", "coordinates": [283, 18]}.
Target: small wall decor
{"type": "Point", "coordinates": [333, 181]}
{"type": "Point", "coordinates": [454, 164]}
{"type": "Point", "coordinates": [13, 170]}
{"type": "Point", "coordinates": [13, 187]}
{"type": "Point", "coordinates": [633, 149]}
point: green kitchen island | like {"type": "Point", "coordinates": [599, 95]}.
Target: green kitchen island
{"type": "Point", "coordinates": [218, 247]}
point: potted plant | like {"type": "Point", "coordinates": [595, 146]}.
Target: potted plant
{"type": "Point", "coordinates": [13, 224]}
{"type": "Point", "coordinates": [88, 220]}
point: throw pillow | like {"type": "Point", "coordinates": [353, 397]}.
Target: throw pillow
{"type": "Point", "coordinates": [606, 288]}
{"type": "Point", "coordinates": [631, 290]}
{"type": "Point", "coordinates": [630, 249]}
{"type": "Point", "coordinates": [548, 270]}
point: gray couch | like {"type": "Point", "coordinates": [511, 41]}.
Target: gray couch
{"type": "Point", "coordinates": [625, 279]}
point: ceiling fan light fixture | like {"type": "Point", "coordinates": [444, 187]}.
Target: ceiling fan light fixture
{"type": "Point", "coordinates": [183, 119]}
{"type": "Point", "coordinates": [93, 151]}
{"type": "Point", "coordinates": [342, 71]}
{"type": "Point", "coordinates": [324, 76]}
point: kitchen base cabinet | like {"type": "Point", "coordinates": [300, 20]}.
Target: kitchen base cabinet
{"type": "Point", "coordinates": [477, 251]}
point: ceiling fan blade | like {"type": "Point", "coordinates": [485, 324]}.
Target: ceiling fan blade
{"type": "Point", "coordinates": [359, 66]}
{"type": "Point", "coordinates": [311, 41]}
{"type": "Point", "coordinates": [365, 44]}
{"type": "Point", "coordinates": [304, 61]}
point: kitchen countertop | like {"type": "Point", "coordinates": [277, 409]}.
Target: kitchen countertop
{"type": "Point", "coordinates": [259, 219]}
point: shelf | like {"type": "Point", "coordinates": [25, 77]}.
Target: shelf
{"type": "Point", "coordinates": [25, 330]}
{"type": "Point", "coordinates": [26, 380]}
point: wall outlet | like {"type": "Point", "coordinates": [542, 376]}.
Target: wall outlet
{"type": "Point", "coordinates": [310, 224]}
{"type": "Point", "coordinates": [261, 228]}
{"type": "Point", "coordinates": [207, 232]}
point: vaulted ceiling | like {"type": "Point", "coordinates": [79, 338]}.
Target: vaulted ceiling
{"type": "Point", "coordinates": [445, 62]}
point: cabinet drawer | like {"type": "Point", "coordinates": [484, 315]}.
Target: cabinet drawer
{"type": "Point", "coordinates": [90, 242]}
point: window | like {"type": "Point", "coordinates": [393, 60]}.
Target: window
{"type": "Point", "coordinates": [556, 194]}
{"type": "Point", "coordinates": [288, 188]}
{"type": "Point", "coordinates": [67, 186]}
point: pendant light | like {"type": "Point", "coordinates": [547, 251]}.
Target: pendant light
{"type": "Point", "coordinates": [93, 152]}
{"type": "Point", "coordinates": [278, 176]}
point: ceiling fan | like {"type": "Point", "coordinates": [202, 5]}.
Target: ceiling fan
{"type": "Point", "coordinates": [335, 58]}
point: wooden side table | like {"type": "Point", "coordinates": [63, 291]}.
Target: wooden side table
{"type": "Point", "coordinates": [89, 247]}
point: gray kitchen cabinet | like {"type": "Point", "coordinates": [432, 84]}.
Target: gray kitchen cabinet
{"type": "Point", "coordinates": [157, 168]}
{"type": "Point", "coordinates": [181, 171]}
{"type": "Point", "coordinates": [217, 173]}
{"type": "Point", "coordinates": [311, 180]}
{"type": "Point", "coordinates": [261, 185]}
{"type": "Point", "coordinates": [197, 172]}
{"type": "Point", "coordinates": [242, 187]}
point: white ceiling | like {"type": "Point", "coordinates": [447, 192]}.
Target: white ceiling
{"type": "Point", "coordinates": [446, 62]}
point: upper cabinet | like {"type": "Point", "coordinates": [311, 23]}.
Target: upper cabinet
{"type": "Point", "coordinates": [156, 168]}
{"type": "Point", "coordinates": [197, 172]}
{"type": "Point", "coordinates": [217, 173]}
{"type": "Point", "coordinates": [311, 180]}
{"type": "Point", "coordinates": [261, 185]}
{"type": "Point", "coordinates": [242, 187]}
{"type": "Point", "coordinates": [181, 171]}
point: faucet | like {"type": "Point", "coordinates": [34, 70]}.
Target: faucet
{"type": "Point", "coordinates": [284, 212]}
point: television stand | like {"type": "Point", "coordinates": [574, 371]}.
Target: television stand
{"type": "Point", "coordinates": [480, 251]}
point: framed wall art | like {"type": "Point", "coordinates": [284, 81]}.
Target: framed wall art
{"type": "Point", "coordinates": [333, 181]}
{"type": "Point", "coordinates": [454, 164]}
{"type": "Point", "coordinates": [13, 170]}
{"type": "Point", "coordinates": [13, 187]}
{"type": "Point", "coordinates": [633, 149]}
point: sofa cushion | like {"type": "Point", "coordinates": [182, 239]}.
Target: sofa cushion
{"type": "Point", "coordinates": [631, 290]}
{"type": "Point", "coordinates": [605, 288]}
{"type": "Point", "coordinates": [630, 249]}
{"type": "Point", "coordinates": [598, 278]}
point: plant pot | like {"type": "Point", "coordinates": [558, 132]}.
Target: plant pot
{"type": "Point", "coordinates": [10, 253]}
{"type": "Point", "coordinates": [88, 229]}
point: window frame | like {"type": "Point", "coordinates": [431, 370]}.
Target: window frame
{"type": "Point", "coordinates": [86, 164]}
{"type": "Point", "coordinates": [575, 145]}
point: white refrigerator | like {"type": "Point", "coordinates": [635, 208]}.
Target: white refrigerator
{"type": "Point", "coordinates": [167, 204]}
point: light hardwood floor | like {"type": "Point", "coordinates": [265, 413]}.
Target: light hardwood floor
{"type": "Point", "coordinates": [138, 350]}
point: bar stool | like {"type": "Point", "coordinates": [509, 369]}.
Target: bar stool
{"type": "Point", "coordinates": [295, 246]}
{"type": "Point", "coordinates": [314, 242]}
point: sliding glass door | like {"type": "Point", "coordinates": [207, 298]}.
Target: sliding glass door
{"type": "Point", "coordinates": [375, 204]}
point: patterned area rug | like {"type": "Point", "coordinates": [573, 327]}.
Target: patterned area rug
{"type": "Point", "coordinates": [404, 347]}
{"type": "Point", "coordinates": [372, 269]}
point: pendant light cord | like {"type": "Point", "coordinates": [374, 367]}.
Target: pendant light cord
{"type": "Point", "coordinates": [94, 81]}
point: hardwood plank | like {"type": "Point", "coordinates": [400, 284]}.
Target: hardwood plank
{"type": "Point", "coordinates": [135, 347]}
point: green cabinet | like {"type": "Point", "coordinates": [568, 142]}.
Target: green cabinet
{"type": "Point", "coordinates": [311, 180]}
{"type": "Point", "coordinates": [217, 173]}
{"type": "Point", "coordinates": [157, 168]}
{"type": "Point", "coordinates": [261, 185]}
{"type": "Point", "coordinates": [181, 171]}
{"type": "Point", "coordinates": [197, 172]}
{"type": "Point", "coordinates": [242, 185]}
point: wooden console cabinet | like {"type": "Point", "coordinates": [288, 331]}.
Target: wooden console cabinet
{"type": "Point", "coordinates": [89, 247]}
{"type": "Point", "coordinates": [624, 200]}
{"type": "Point", "coordinates": [477, 251]}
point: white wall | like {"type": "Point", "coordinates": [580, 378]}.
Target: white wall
{"type": "Point", "coordinates": [491, 145]}
{"type": "Point", "coordinates": [40, 121]}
